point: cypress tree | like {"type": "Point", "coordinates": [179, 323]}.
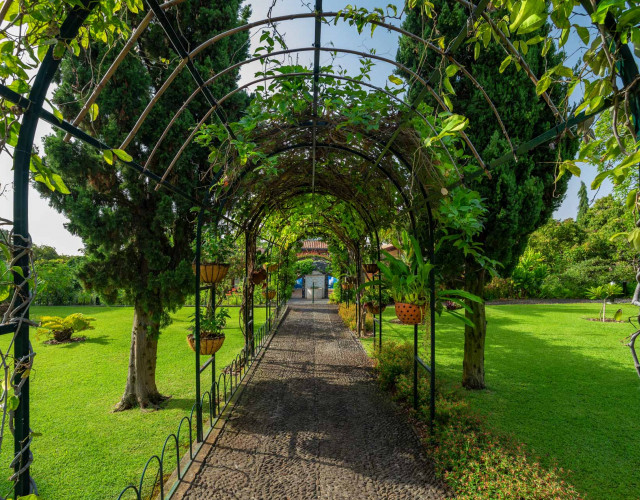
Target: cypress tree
{"type": "Point", "coordinates": [520, 196]}
{"type": "Point", "coordinates": [583, 202]}
{"type": "Point", "coordinates": [138, 239]}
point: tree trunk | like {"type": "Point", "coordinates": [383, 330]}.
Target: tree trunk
{"type": "Point", "coordinates": [141, 387]}
{"type": "Point", "coordinates": [474, 337]}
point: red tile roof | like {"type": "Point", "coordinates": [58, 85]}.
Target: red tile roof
{"type": "Point", "coordinates": [314, 245]}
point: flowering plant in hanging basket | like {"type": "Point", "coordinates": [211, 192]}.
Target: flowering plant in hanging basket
{"type": "Point", "coordinates": [258, 276]}
{"type": "Point", "coordinates": [211, 332]}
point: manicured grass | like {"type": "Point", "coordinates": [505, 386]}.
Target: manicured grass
{"type": "Point", "coordinates": [85, 451]}
{"type": "Point", "coordinates": [564, 386]}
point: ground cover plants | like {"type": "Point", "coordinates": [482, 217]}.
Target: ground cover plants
{"type": "Point", "coordinates": [561, 388]}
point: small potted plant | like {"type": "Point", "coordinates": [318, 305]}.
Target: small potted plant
{"type": "Point", "coordinates": [215, 253]}
{"type": "Point", "coordinates": [372, 302]}
{"type": "Point", "coordinates": [211, 335]}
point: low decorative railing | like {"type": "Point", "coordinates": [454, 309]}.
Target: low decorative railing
{"type": "Point", "coordinates": [217, 399]}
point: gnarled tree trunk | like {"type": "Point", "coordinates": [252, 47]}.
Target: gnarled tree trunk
{"type": "Point", "coordinates": [141, 387]}
{"type": "Point", "coordinates": [474, 337]}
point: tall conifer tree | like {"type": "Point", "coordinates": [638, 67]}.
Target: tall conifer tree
{"type": "Point", "coordinates": [138, 239]}
{"type": "Point", "coordinates": [583, 202]}
{"type": "Point", "coordinates": [520, 196]}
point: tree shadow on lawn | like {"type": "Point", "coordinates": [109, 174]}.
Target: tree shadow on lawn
{"type": "Point", "coordinates": [570, 395]}
{"type": "Point", "coordinates": [98, 339]}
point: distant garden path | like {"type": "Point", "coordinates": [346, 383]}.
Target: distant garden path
{"type": "Point", "coordinates": [312, 424]}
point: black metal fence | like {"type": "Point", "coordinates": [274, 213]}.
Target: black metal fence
{"type": "Point", "coordinates": [216, 400]}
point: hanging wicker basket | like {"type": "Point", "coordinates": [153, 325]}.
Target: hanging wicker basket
{"type": "Point", "coordinates": [347, 286]}
{"type": "Point", "coordinates": [272, 268]}
{"type": "Point", "coordinates": [371, 268]}
{"type": "Point", "coordinates": [212, 272]}
{"type": "Point", "coordinates": [372, 308]}
{"type": "Point", "coordinates": [258, 276]}
{"type": "Point", "coordinates": [270, 294]}
{"type": "Point", "coordinates": [410, 314]}
{"type": "Point", "coordinates": [208, 345]}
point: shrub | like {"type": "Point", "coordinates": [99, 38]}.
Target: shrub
{"type": "Point", "coordinates": [61, 329]}
{"type": "Point", "coordinates": [477, 463]}
{"type": "Point", "coordinates": [553, 288]}
{"type": "Point", "coordinates": [499, 288]}
{"type": "Point", "coordinates": [348, 315]}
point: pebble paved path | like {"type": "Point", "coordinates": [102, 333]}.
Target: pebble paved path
{"type": "Point", "coordinates": [312, 424]}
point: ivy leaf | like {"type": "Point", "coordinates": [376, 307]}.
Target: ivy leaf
{"type": "Point", "coordinates": [505, 64]}
{"type": "Point", "coordinates": [93, 112]}
{"type": "Point", "coordinates": [108, 156]}
{"type": "Point", "coordinates": [122, 155]}
{"type": "Point", "coordinates": [597, 181]}
{"type": "Point", "coordinates": [12, 403]}
{"type": "Point", "coordinates": [58, 114]}
{"type": "Point", "coordinates": [543, 84]}
{"type": "Point", "coordinates": [59, 50]}
{"type": "Point", "coordinates": [448, 86]}
{"type": "Point", "coordinates": [631, 198]}
{"type": "Point", "coordinates": [451, 70]}
{"type": "Point", "coordinates": [19, 86]}
{"type": "Point", "coordinates": [583, 33]}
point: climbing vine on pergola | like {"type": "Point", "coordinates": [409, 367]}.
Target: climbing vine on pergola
{"type": "Point", "coordinates": [318, 131]}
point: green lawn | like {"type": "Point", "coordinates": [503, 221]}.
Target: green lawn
{"type": "Point", "coordinates": [563, 385]}
{"type": "Point", "coordinates": [85, 451]}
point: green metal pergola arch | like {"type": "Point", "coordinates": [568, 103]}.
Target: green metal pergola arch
{"type": "Point", "coordinates": [33, 106]}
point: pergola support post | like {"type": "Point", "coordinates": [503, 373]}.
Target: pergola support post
{"type": "Point", "coordinates": [196, 332]}
{"type": "Point", "coordinates": [22, 242]}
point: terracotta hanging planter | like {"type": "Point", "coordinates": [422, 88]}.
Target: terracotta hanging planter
{"type": "Point", "coordinates": [212, 272]}
{"type": "Point", "coordinates": [272, 268]}
{"type": "Point", "coordinates": [270, 294]}
{"type": "Point", "coordinates": [209, 344]}
{"type": "Point", "coordinates": [347, 286]}
{"type": "Point", "coordinates": [258, 276]}
{"type": "Point", "coordinates": [371, 268]}
{"type": "Point", "coordinates": [410, 314]}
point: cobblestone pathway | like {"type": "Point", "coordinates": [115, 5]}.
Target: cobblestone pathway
{"type": "Point", "coordinates": [312, 424]}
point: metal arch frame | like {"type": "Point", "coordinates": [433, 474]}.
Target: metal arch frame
{"type": "Point", "coordinates": [259, 212]}
{"type": "Point", "coordinates": [402, 67]}
{"type": "Point", "coordinates": [21, 162]}
{"type": "Point", "coordinates": [318, 14]}
{"type": "Point", "coordinates": [349, 150]}
{"type": "Point", "coordinates": [185, 144]}
{"type": "Point", "coordinates": [34, 111]}
{"type": "Point", "coordinates": [396, 154]}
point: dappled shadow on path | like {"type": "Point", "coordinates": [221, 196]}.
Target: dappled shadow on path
{"type": "Point", "coordinates": [312, 424]}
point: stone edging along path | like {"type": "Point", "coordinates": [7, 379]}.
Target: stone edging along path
{"type": "Point", "coordinates": [311, 423]}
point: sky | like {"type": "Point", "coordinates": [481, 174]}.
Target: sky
{"type": "Point", "coordinates": [48, 226]}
